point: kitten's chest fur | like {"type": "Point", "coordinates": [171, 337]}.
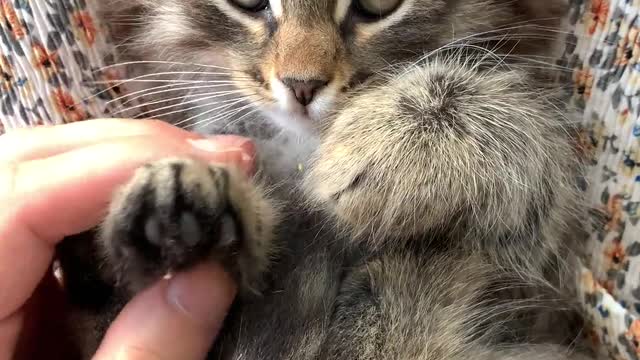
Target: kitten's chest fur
{"type": "Point", "coordinates": [282, 154]}
{"type": "Point", "coordinates": [289, 320]}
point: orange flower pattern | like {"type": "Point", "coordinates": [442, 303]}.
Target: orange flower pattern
{"type": "Point", "coordinates": [84, 23]}
{"type": "Point", "coordinates": [603, 50]}
{"type": "Point", "coordinates": [597, 15]}
{"type": "Point", "coordinates": [51, 53]}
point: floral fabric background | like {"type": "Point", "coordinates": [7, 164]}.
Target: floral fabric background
{"type": "Point", "coordinates": [52, 53]}
{"type": "Point", "coordinates": [52, 70]}
{"type": "Point", "coordinates": [603, 53]}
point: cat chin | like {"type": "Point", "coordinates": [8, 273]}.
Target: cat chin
{"type": "Point", "coordinates": [299, 124]}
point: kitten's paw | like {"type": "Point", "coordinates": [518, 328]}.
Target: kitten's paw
{"type": "Point", "coordinates": [175, 213]}
{"type": "Point", "coordinates": [428, 152]}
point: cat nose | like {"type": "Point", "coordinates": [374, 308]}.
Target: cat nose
{"type": "Point", "coordinates": [304, 90]}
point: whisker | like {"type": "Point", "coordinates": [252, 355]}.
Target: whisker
{"type": "Point", "coordinates": [177, 73]}
{"type": "Point", "coordinates": [509, 55]}
{"type": "Point", "coordinates": [233, 102]}
{"type": "Point", "coordinates": [142, 79]}
{"type": "Point", "coordinates": [164, 63]}
{"type": "Point", "coordinates": [535, 61]}
{"type": "Point", "coordinates": [235, 121]}
{"type": "Point", "coordinates": [517, 37]}
{"type": "Point", "coordinates": [219, 117]}
{"type": "Point", "coordinates": [474, 36]}
{"type": "Point", "coordinates": [194, 107]}
{"type": "Point", "coordinates": [224, 114]}
{"type": "Point", "coordinates": [204, 96]}
{"type": "Point", "coordinates": [169, 81]}
{"type": "Point", "coordinates": [143, 91]}
{"type": "Point", "coordinates": [171, 88]}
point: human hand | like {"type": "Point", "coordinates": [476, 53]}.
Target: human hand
{"type": "Point", "coordinates": [57, 181]}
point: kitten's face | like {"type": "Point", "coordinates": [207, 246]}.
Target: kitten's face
{"type": "Point", "coordinates": [298, 59]}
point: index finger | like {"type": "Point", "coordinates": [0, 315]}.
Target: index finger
{"type": "Point", "coordinates": [39, 142]}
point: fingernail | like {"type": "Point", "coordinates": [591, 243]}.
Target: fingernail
{"type": "Point", "coordinates": [224, 143]}
{"type": "Point", "coordinates": [203, 294]}
{"type": "Point", "coordinates": [209, 145]}
{"type": "Point", "coordinates": [228, 143]}
{"type": "Point", "coordinates": [247, 147]}
{"type": "Point", "coordinates": [248, 162]}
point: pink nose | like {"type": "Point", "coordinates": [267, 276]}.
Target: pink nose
{"type": "Point", "coordinates": [304, 90]}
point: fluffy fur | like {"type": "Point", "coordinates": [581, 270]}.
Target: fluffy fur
{"type": "Point", "coordinates": [434, 215]}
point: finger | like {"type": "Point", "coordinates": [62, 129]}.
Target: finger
{"type": "Point", "coordinates": [87, 177]}
{"type": "Point", "coordinates": [175, 319]}
{"type": "Point", "coordinates": [68, 194]}
{"type": "Point", "coordinates": [39, 142]}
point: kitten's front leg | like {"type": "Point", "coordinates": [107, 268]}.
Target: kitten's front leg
{"type": "Point", "coordinates": [435, 306]}
{"type": "Point", "coordinates": [177, 212]}
{"type": "Point", "coordinates": [449, 148]}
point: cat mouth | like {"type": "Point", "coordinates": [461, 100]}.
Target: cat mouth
{"type": "Point", "coordinates": [308, 114]}
{"type": "Point", "coordinates": [300, 111]}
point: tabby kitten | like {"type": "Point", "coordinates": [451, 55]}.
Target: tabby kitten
{"type": "Point", "coordinates": [417, 193]}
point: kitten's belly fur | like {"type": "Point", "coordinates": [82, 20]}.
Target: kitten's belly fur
{"type": "Point", "coordinates": [290, 320]}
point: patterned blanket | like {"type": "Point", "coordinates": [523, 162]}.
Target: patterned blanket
{"type": "Point", "coordinates": [54, 61]}
{"type": "Point", "coordinates": [52, 58]}
{"type": "Point", "coordinates": [602, 54]}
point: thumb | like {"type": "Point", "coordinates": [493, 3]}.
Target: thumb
{"type": "Point", "coordinates": [174, 319]}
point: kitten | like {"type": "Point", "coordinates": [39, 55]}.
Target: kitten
{"type": "Point", "coordinates": [435, 215]}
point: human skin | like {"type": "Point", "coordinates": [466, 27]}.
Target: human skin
{"type": "Point", "coordinates": [57, 181]}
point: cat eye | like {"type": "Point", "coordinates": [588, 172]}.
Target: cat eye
{"type": "Point", "coordinates": [376, 8]}
{"type": "Point", "coordinates": [251, 5]}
